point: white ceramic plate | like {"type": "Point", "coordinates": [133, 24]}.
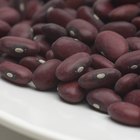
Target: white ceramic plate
{"type": "Point", "coordinates": [43, 116]}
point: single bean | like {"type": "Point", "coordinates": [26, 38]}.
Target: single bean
{"type": "Point", "coordinates": [15, 73]}
{"type": "Point", "coordinates": [18, 47]}
{"type": "Point", "coordinates": [32, 62]}
{"type": "Point", "coordinates": [99, 61]}
{"type": "Point", "coordinates": [67, 46]}
{"type": "Point", "coordinates": [111, 45]}
{"type": "Point", "coordinates": [37, 28]}
{"type": "Point", "coordinates": [125, 113]}
{"type": "Point", "coordinates": [86, 13]}
{"type": "Point", "coordinates": [129, 62]}
{"type": "Point", "coordinates": [73, 67]}
{"type": "Point", "coordinates": [49, 55]}
{"type": "Point", "coordinates": [71, 92]}
{"type": "Point", "coordinates": [124, 13]}
{"type": "Point", "coordinates": [123, 28]}
{"type": "Point", "coordinates": [44, 76]}
{"type": "Point", "coordinates": [82, 30]}
{"type": "Point", "coordinates": [126, 83]}
{"type": "Point", "coordinates": [101, 98]}
{"type": "Point", "coordinates": [100, 78]}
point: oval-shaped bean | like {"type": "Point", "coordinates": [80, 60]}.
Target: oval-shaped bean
{"type": "Point", "coordinates": [101, 98]}
{"type": "Point", "coordinates": [37, 28]}
{"type": "Point", "coordinates": [59, 16]}
{"type": "Point", "coordinates": [124, 13]}
{"type": "Point", "coordinates": [86, 13]}
{"type": "Point", "coordinates": [129, 62]}
{"type": "Point", "coordinates": [18, 47]}
{"type": "Point", "coordinates": [99, 61]}
{"type": "Point", "coordinates": [102, 8]}
{"type": "Point", "coordinates": [67, 46]}
{"type": "Point", "coordinates": [123, 28]}
{"type": "Point", "coordinates": [32, 62]}
{"type": "Point", "coordinates": [15, 73]}
{"type": "Point", "coordinates": [136, 22]}
{"type": "Point", "coordinates": [40, 15]}
{"type": "Point", "coordinates": [111, 45]}
{"type": "Point", "coordinates": [82, 30]}
{"type": "Point", "coordinates": [126, 83]}
{"type": "Point", "coordinates": [49, 55]}
{"type": "Point", "coordinates": [125, 113]}
{"type": "Point", "coordinates": [71, 92]}
{"type": "Point", "coordinates": [73, 67]}
{"type": "Point", "coordinates": [10, 15]}
{"type": "Point", "coordinates": [133, 97]}
{"type": "Point", "coordinates": [4, 28]}
{"type": "Point", "coordinates": [53, 31]}
{"type": "Point", "coordinates": [22, 29]}
{"type": "Point", "coordinates": [100, 78]}
{"type": "Point", "coordinates": [44, 76]}
{"type": "Point", "coordinates": [134, 43]}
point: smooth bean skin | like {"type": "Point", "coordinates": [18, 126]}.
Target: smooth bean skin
{"type": "Point", "coordinates": [71, 11]}
{"type": "Point", "coordinates": [111, 45]}
{"type": "Point", "coordinates": [126, 83]}
{"type": "Point", "coordinates": [133, 97]}
{"type": "Point", "coordinates": [73, 67]}
{"type": "Point", "coordinates": [18, 46]}
{"type": "Point", "coordinates": [32, 62]}
{"type": "Point", "coordinates": [136, 22]}
{"type": "Point", "coordinates": [74, 3]}
{"type": "Point", "coordinates": [129, 62]}
{"type": "Point", "coordinates": [82, 30]}
{"type": "Point", "coordinates": [15, 73]}
{"type": "Point", "coordinates": [49, 55]}
{"type": "Point", "coordinates": [44, 76]}
{"type": "Point", "coordinates": [124, 13]}
{"type": "Point", "coordinates": [53, 31]}
{"type": "Point", "coordinates": [101, 98]}
{"type": "Point", "coordinates": [86, 13]}
{"type": "Point", "coordinates": [123, 28]}
{"type": "Point", "coordinates": [71, 92]}
{"type": "Point", "coordinates": [100, 78]}
{"type": "Point", "coordinates": [125, 113]}
{"type": "Point", "coordinates": [99, 61]}
{"type": "Point", "coordinates": [67, 46]}
{"type": "Point", "coordinates": [59, 16]}
{"type": "Point", "coordinates": [22, 29]}
{"type": "Point", "coordinates": [134, 43]}
{"type": "Point", "coordinates": [37, 28]}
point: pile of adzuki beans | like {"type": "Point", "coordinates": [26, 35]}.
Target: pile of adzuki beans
{"type": "Point", "coordinates": [89, 50]}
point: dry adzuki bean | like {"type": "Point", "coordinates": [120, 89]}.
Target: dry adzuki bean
{"type": "Point", "coordinates": [86, 50]}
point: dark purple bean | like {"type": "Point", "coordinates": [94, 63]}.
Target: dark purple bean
{"type": "Point", "coordinates": [71, 11]}
{"type": "Point", "coordinates": [124, 13]}
{"type": "Point", "coordinates": [133, 97]}
{"type": "Point", "coordinates": [129, 62]}
{"type": "Point", "coordinates": [18, 47]}
{"type": "Point", "coordinates": [136, 22]}
{"type": "Point", "coordinates": [134, 43]}
{"type": "Point", "coordinates": [32, 62]}
{"type": "Point", "coordinates": [4, 28]}
{"type": "Point", "coordinates": [59, 16]}
{"type": "Point", "coordinates": [101, 98]}
{"type": "Point", "coordinates": [15, 73]}
{"type": "Point", "coordinates": [102, 8]}
{"type": "Point", "coordinates": [10, 15]}
{"type": "Point", "coordinates": [120, 2]}
{"type": "Point", "coordinates": [49, 55]}
{"type": "Point", "coordinates": [126, 83]}
{"type": "Point", "coordinates": [125, 113]}
{"type": "Point", "coordinates": [71, 92]}
{"type": "Point", "coordinates": [37, 28]}
{"type": "Point", "coordinates": [86, 13]}
{"type": "Point", "coordinates": [53, 31]}
{"type": "Point", "coordinates": [74, 3]}
{"type": "Point", "coordinates": [99, 61]}
{"type": "Point", "coordinates": [123, 28]}
{"type": "Point", "coordinates": [73, 67]}
{"type": "Point", "coordinates": [44, 76]}
{"type": "Point", "coordinates": [111, 45]}
{"type": "Point", "coordinates": [67, 46]}
{"type": "Point", "coordinates": [82, 30]}
{"type": "Point", "coordinates": [138, 34]}
{"type": "Point", "coordinates": [41, 14]}
{"type": "Point", "coordinates": [22, 29]}
{"type": "Point", "coordinates": [138, 82]}
{"type": "Point", "coordinates": [100, 78]}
